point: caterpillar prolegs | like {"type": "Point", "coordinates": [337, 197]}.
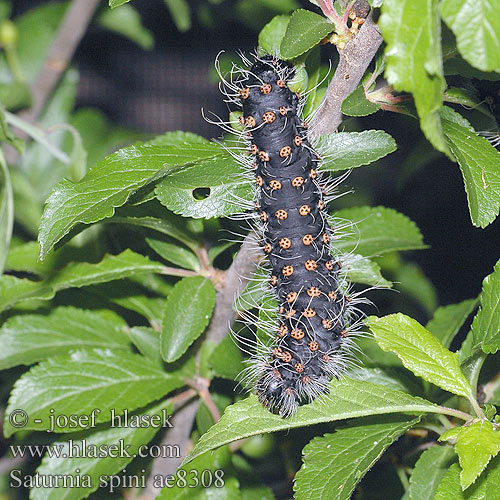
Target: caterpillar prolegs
{"type": "Point", "coordinates": [309, 341]}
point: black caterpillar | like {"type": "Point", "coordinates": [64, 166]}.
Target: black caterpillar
{"type": "Point", "coordinates": [308, 345]}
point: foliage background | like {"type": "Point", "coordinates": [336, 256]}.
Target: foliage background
{"type": "Point", "coordinates": [140, 93]}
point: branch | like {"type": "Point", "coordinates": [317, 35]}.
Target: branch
{"type": "Point", "coordinates": [354, 60]}
{"type": "Point", "coordinates": [73, 27]}
{"type": "Point", "coordinates": [234, 281]}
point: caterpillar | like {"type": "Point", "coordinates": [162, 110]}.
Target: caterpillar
{"type": "Point", "coordinates": [310, 341]}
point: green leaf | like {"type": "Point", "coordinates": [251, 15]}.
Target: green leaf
{"type": "Point", "coordinates": [170, 224]}
{"type": "Point", "coordinates": [147, 342]}
{"type": "Point", "coordinates": [356, 104]}
{"type": "Point", "coordinates": [272, 34]}
{"type": "Point", "coordinates": [187, 313]}
{"type": "Point", "coordinates": [448, 320]}
{"type": "Point", "coordinates": [14, 290]}
{"type": "Point", "coordinates": [30, 338]}
{"type": "Point", "coordinates": [428, 472]}
{"type": "Point", "coordinates": [347, 398]}
{"type": "Point", "coordinates": [211, 188]}
{"type": "Point", "coordinates": [380, 229]}
{"type": "Point", "coordinates": [303, 32]}
{"type": "Point", "coordinates": [480, 165]}
{"type": "Point", "coordinates": [476, 26]}
{"type": "Point", "coordinates": [420, 352]}
{"type": "Point", "coordinates": [117, 3]}
{"type": "Point", "coordinates": [127, 22]}
{"type": "Point", "coordinates": [486, 324]}
{"type": "Point", "coordinates": [412, 31]}
{"type": "Point", "coordinates": [111, 267]}
{"type": "Point", "coordinates": [493, 479]}
{"type": "Point", "coordinates": [98, 469]}
{"type": "Point", "coordinates": [181, 14]}
{"type": "Point", "coordinates": [225, 489]}
{"type": "Point", "coordinates": [345, 150]}
{"type": "Point", "coordinates": [174, 253]}
{"type": "Point", "coordinates": [363, 270]}
{"type": "Point", "coordinates": [449, 488]}
{"type": "Point", "coordinates": [475, 445]}
{"type": "Point", "coordinates": [6, 211]}
{"type": "Point", "coordinates": [111, 182]}
{"type": "Point", "coordinates": [83, 380]}
{"type": "Point", "coordinates": [335, 463]}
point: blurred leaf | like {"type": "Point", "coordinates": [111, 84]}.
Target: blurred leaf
{"type": "Point", "coordinates": [101, 469]}
{"type": "Point", "coordinates": [117, 3]}
{"type": "Point", "coordinates": [110, 183]}
{"type": "Point", "coordinates": [457, 66]}
{"type": "Point", "coordinates": [420, 352]}
{"type": "Point", "coordinates": [480, 165]}
{"type": "Point", "coordinates": [44, 162]}
{"type": "Point", "coordinates": [83, 380]}
{"type": "Point", "coordinates": [210, 188]}
{"type": "Point", "coordinates": [449, 488]}
{"type": "Point", "coordinates": [476, 26]}
{"type": "Point", "coordinates": [188, 310]}
{"type": "Point", "coordinates": [475, 445]}
{"type": "Point", "coordinates": [272, 34]}
{"type": "Point", "coordinates": [347, 398]}
{"type": "Point", "coordinates": [314, 86]}
{"type": "Point", "coordinates": [448, 320]}
{"type": "Point", "coordinates": [181, 13]}
{"type": "Point", "coordinates": [15, 95]}
{"type": "Point", "coordinates": [356, 104]}
{"type": "Point", "coordinates": [226, 359]}
{"type": "Point", "coordinates": [127, 22]}
{"type": "Point", "coordinates": [5, 9]}
{"type": "Point", "coordinates": [365, 271]}
{"type": "Point", "coordinates": [14, 290]}
{"type": "Point", "coordinates": [303, 32]}
{"type": "Point", "coordinates": [379, 230]}
{"type": "Point", "coordinates": [29, 338]}
{"type": "Point", "coordinates": [335, 463]}
{"type": "Point", "coordinates": [428, 472]}
{"type": "Point", "coordinates": [6, 211]}
{"type": "Point", "coordinates": [35, 39]}
{"type": "Point", "coordinates": [6, 134]}
{"type": "Point", "coordinates": [174, 253]}
{"type": "Point", "coordinates": [345, 150]}
{"type": "Point", "coordinates": [414, 283]}
{"type": "Point", "coordinates": [407, 24]}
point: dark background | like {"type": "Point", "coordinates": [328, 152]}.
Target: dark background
{"type": "Point", "coordinates": [166, 88]}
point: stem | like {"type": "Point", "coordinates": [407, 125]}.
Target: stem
{"type": "Point", "coordinates": [13, 62]}
{"type": "Point", "coordinates": [354, 60]}
{"type": "Point", "coordinates": [444, 410]}
{"type": "Point", "coordinates": [403, 477]}
{"type": "Point", "coordinates": [174, 271]}
{"type": "Point", "coordinates": [37, 135]}
{"type": "Point", "coordinates": [472, 368]}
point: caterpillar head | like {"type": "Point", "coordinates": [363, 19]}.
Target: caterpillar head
{"type": "Point", "coordinates": [276, 395]}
